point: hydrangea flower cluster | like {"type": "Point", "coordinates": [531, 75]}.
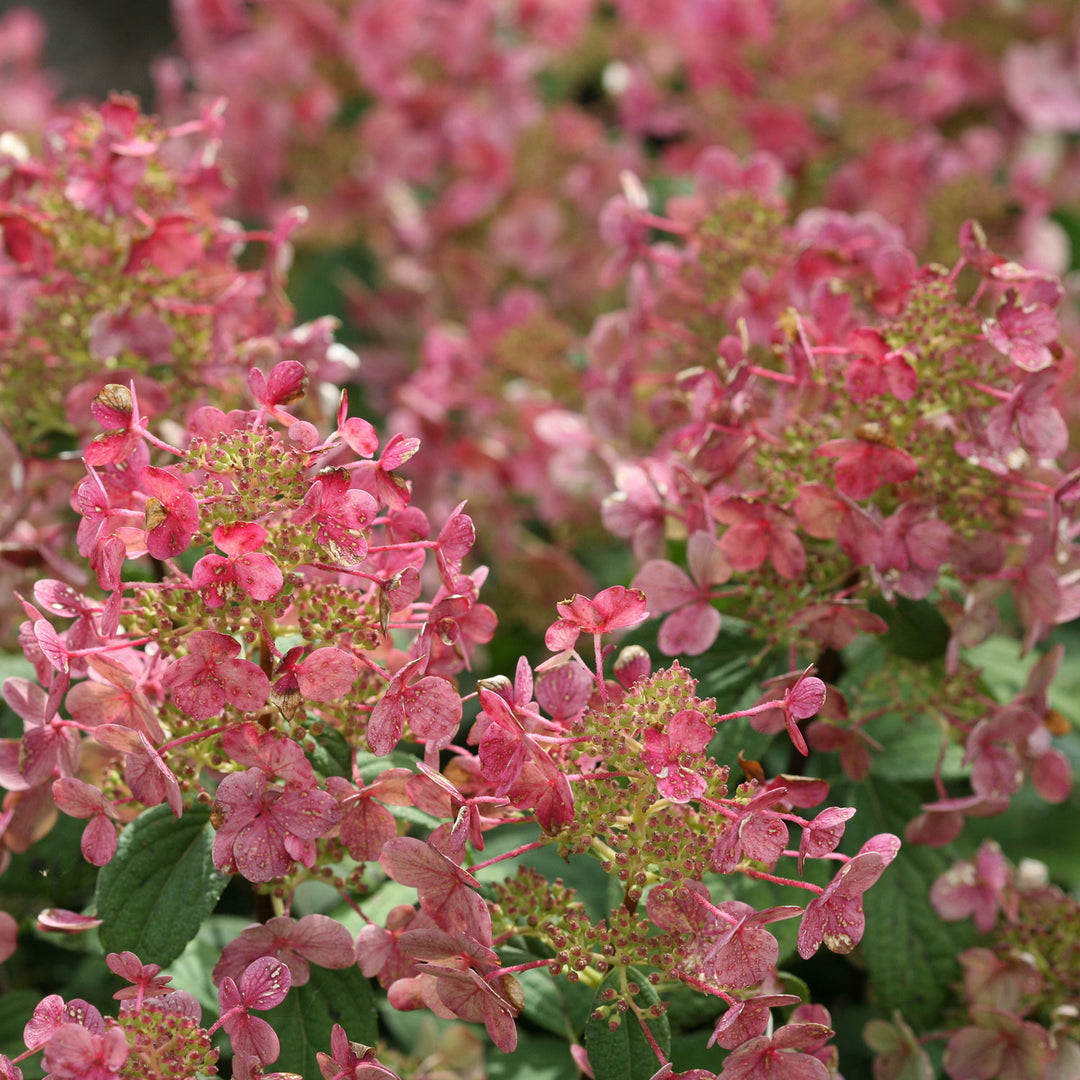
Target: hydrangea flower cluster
{"type": "Point", "coordinates": [832, 452]}
{"type": "Point", "coordinates": [186, 688]}
{"type": "Point", "coordinates": [117, 268]}
{"type": "Point", "coordinates": [1020, 983]}
{"type": "Point", "coordinates": [673, 291]}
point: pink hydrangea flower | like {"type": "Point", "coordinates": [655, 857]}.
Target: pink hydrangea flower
{"type": "Point", "coordinates": [325, 674]}
{"type": "Point", "coordinates": [263, 985]}
{"type": "Point", "coordinates": [978, 887]}
{"type": "Point", "coordinates": [693, 622]}
{"type": "Point", "coordinates": [687, 732]}
{"type": "Point", "coordinates": [298, 943]}
{"type": "Point", "coordinates": [757, 533]}
{"type": "Point", "coordinates": [172, 515]}
{"type": "Point", "coordinates": [868, 461]}
{"type": "Point", "coordinates": [1024, 332]}
{"type": "Point", "coordinates": [242, 567]}
{"type": "Point", "coordinates": [341, 514]}
{"type": "Point", "coordinates": [76, 1053]}
{"type": "Point", "coordinates": [211, 675]}
{"type": "Point", "coordinates": [82, 800]}
{"type": "Point", "coordinates": [779, 1057]}
{"type": "Point", "coordinates": [611, 609]}
{"type": "Point", "coordinates": [835, 916]}
{"type": "Point", "coordinates": [265, 829]}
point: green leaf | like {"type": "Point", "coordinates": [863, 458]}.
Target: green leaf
{"type": "Point", "coordinates": [537, 1057]}
{"type": "Point", "coordinates": [370, 767]}
{"type": "Point", "coordinates": [917, 629]}
{"type": "Point", "coordinates": [16, 1007]}
{"type": "Point", "coordinates": [304, 1020]}
{"type": "Point", "coordinates": [1070, 222]}
{"type": "Point", "coordinates": [625, 1053]}
{"type": "Point", "coordinates": [160, 885]}
{"type": "Point", "coordinates": [735, 736]}
{"type": "Point", "coordinates": [332, 755]}
{"type": "Point", "coordinates": [193, 968]}
{"type": "Point", "coordinates": [689, 1010]}
{"type": "Point", "coordinates": [913, 749]}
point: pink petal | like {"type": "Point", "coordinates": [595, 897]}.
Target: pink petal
{"type": "Point", "coordinates": [264, 983]}
{"type": "Point", "coordinates": [327, 674]}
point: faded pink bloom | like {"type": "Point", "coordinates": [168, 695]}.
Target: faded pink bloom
{"type": "Point", "coordinates": [868, 461]}
{"type": "Point", "coordinates": [75, 1053]}
{"type": "Point", "coordinates": [753, 832]}
{"type": "Point", "coordinates": [63, 921]}
{"type": "Point", "coordinates": [1042, 85]}
{"type": "Point", "coordinates": [351, 1060]}
{"type": "Point", "coordinates": [693, 622]}
{"type": "Point", "coordinates": [1024, 332]}
{"type": "Point", "coordinates": [978, 887]}
{"type": "Point", "coordinates": [116, 410]}
{"type": "Point", "coordinates": [325, 674]}
{"type": "Point", "coordinates": [835, 916]}
{"type": "Point", "coordinates": [746, 953]}
{"type": "Point", "coordinates": [455, 540]}
{"type": "Point", "coordinates": [211, 675]}
{"type": "Point", "coordinates": [447, 892]}
{"type": "Point", "coordinates": [378, 948]}
{"type": "Point", "coordinates": [1029, 419]}
{"type": "Point", "coordinates": [146, 979]}
{"type": "Point", "coordinates": [827, 515]}
{"type": "Point", "coordinates": [635, 510]}
{"type": "Point", "coordinates": [172, 515]}
{"type": "Point", "coordinates": [287, 384]}
{"type": "Point", "coordinates": [898, 1054]}
{"type": "Point", "coordinates": [113, 694]}
{"type": "Point", "coordinates": [687, 732]}
{"type": "Point", "coordinates": [264, 984]}
{"type": "Point", "coordinates": [391, 490]}
{"type": "Point", "coordinates": [341, 513]}
{"type": "Point", "coordinates": [780, 1057]}
{"type": "Point", "coordinates": [942, 821]}
{"type": "Point", "coordinates": [298, 943]}
{"type": "Point", "coordinates": [430, 706]}
{"type": "Point", "coordinates": [279, 757]}
{"type": "Point", "coordinates": [999, 1045]}
{"type": "Point", "coordinates": [874, 370]}
{"type": "Point", "coordinates": [799, 701]}
{"type": "Point", "coordinates": [757, 533]}
{"type": "Point", "coordinates": [365, 824]}
{"type": "Point", "coordinates": [747, 1019]}
{"type": "Point", "coordinates": [1001, 982]}
{"type": "Point", "coordinates": [822, 835]}
{"type": "Point", "coordinates": [47, 746]}
{"type": "Point", "coordinates": [265, 829]}
{"type": "Point", "coordinates": [51, 1013]}
{"type": "Point", "coordinates": [82, 800]}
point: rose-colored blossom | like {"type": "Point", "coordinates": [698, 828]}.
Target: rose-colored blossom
{"type": "Point", "coordinates": [687, 732]}
{"type": "Point", "coordinates": [611, 609]}
{"type": "Point", "coordinates": [212, 674]}
{"type": "Point", "coordinates": [243, 566]}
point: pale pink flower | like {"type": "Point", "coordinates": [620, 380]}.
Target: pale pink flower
{"type": "Point", "coordinates": [298, 943]}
